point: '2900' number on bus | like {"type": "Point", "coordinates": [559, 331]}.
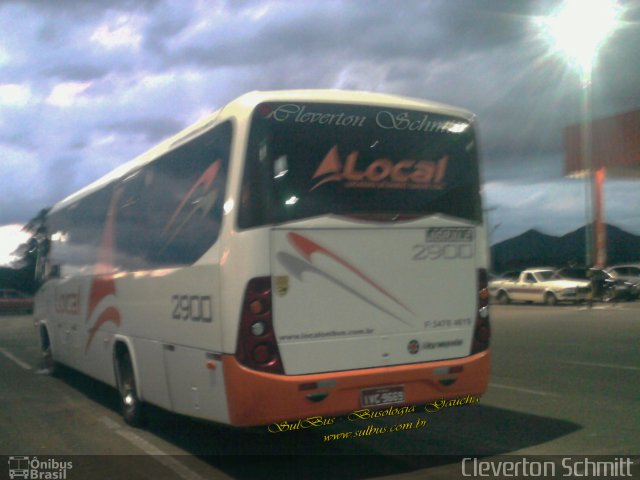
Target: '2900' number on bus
{"type": "Point", "coordinates": [196, 308]}
{"type": "Point", "coordinates": [442, 251]}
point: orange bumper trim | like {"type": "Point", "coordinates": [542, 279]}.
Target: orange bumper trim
{"type": "Point", "coordinates": [257, 398]}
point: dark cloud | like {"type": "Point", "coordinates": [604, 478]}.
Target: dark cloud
{"type": "Point", "coordinates": [530, 166]}
{"type": "Point", "coordinates": [63, 176]}
{"type": "Point", "coordinates": [20, 128]}
{"type": "Point", "coordinates": [443, 50]}
{"type": "Point", "coordinates": [81, 9]}
{"type": "Point", "coordinates": [152, 129]}
{"type": "Point", "coordinates": [163, 27]}
{"type": "Point", "coordinates": [190, 57]}
{"type": "Point", "coordinates": [384, 30]}
{"type": "Point", "coordinates": [555, 207]}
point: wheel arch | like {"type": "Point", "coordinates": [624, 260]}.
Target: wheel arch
{"type": "Point", "coordinates": [122, 344]}
{"type": "Point", "coordinates": [503, 293]}
{"type": "Point", "coordinates": [44, 333]}
{"type": "Point", "coordinates": [47, 341]}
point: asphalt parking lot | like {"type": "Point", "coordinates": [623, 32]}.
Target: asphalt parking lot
{"type": "Point", "coordinates": [564, 382]}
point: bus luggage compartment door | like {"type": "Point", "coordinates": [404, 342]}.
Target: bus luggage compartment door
{"type": "Point", "coordinates": [352, 297]}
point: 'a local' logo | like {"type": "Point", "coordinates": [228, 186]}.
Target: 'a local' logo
{"type": "Point", "coordinates": [381, 173]}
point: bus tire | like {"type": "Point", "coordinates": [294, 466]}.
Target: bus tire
{"type": "Point", "coordinates": [550, 299]}
{"type": "Point", "coordinates": [46, 353]}
{"type": "Point", "coordinates": [131, 406]}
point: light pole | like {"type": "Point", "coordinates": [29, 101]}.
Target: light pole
{"type": "Point", "coordinates": [576, 30]}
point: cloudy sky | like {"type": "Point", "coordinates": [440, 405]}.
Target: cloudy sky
{"type": "Point", "coordinates": [87, 85]}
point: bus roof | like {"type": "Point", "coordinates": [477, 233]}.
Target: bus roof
{"type": "Point", "coordinates": [244, 105]}
{"type": "Point", "coordinates": [350, 97]}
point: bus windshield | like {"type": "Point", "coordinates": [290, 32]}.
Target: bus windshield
{"type": "Point", "coordinates": [305, 160]}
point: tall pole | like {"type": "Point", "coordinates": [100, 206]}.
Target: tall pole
{"type": "Point", "coordinates": [600, 256]}
{"type": "Point", "coordinates": [577, 30]}
{"type": "Point", "coordinates": [585, 141]}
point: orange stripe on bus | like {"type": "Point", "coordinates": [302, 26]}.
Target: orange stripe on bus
{"type": "Point", "coordinates": [257, 398]}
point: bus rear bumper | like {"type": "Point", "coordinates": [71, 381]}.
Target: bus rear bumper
{"type": "Point", "coordinates": [256, 398]}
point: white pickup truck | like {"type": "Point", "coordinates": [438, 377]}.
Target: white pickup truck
{"type": "Point", "coordinates": [537, 285]}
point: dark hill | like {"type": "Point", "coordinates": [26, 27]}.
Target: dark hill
{"type": "Point", "coordinates": [533, 248]}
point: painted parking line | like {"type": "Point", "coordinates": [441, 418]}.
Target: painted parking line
{"type": "Point", "coordinates": [15, 359]}
{"type": "Point", "coordinates": [523, 390]}
{"type": "Point", "coordinates": [159, 455]}
{"type": "Point", "coordinates": [603, 365]}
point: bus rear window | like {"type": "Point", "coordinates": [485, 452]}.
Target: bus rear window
{"type": "Point", "coordinates": [306, 160]}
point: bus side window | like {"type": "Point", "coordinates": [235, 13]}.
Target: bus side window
{"type": "Point", "coordinates": [181, 201]}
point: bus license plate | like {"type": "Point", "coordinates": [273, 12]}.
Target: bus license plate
{"type": "Point", "coordinates": [373, 397]}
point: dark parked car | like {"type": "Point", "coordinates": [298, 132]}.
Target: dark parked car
{"type": "Point", "coordinates": [605, 287]}
{"type": "Point", "coordinates": [13, 301]}
{"type": "Point", "coordinates": [629, 275]}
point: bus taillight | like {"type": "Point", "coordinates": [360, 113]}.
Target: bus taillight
{"type": "Point", "coordinates": [482, 331]}
{"type": "Point", "coordinates": [257, 347]}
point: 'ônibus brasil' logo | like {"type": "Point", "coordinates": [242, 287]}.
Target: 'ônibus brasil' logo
{"type": "Point", "coordinates": [381, 173]}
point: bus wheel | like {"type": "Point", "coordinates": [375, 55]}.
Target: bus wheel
{"type": "Point", "coordinates": [131, 406]}
{"type": "Point", "coordinates": [46, 354]}
{"type": "Point", "coordinates": [550, 299]}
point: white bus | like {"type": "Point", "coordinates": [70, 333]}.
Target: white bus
{"type": "Point", "coordinates": [294, 254]}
